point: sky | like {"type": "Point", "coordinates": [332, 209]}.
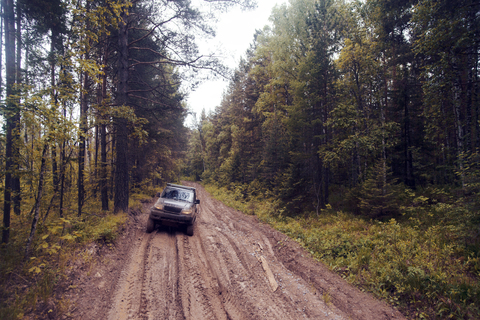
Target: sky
{"type": "Point", "coordinates": [234, 34]}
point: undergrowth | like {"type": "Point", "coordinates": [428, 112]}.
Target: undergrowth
{"type": "Point", "coordinates": [27, 283]}
{"type": "Point", "coordinates": [426, 262]}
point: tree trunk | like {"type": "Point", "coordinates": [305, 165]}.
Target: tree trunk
{"type": "Point", "coordinates": [103, 167]}
{"type": "Point", "coordinates": [36, 210]}
{"type": "Point", "coordinates": [62, 178]}
{"type": "Point", "coordinates": [62, 159]}
{"type": "Point", "coordinates": [459, 138]}
{"type": "Point", "coordinates": [11, 116]}
{"type": "Point", "coordinates": [97, 145]}
{"type": "Point", "coordinates": [82, 144]}
{"type": "Point", "coordinates": [112, 166]}
{"type": "Point", "coordinates": [384, 119]}
{"type": "Point", "coordinates": [54, 106]}
{"type": "Point", "coordinates": [409, 175]}
{"type": "Point", "coordinates": [1, 44]}
{"type": "Point", "coordinates": [103, 142]}
{"type": "Point", "coordinates": [16, 177]}
{"type": "Point", "coordinates": [121, 147]}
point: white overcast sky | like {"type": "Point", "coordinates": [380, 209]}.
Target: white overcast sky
{"type": "Point", "coordinates": [234, 34]}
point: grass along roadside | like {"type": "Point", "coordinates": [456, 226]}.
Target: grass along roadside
{"type": "Point", "coordinates": [27, 286]}
{"type": "Point", "coordinates": [421, 263]}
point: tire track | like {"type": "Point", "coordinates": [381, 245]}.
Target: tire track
{"type": "Point", "coordinates": [242, 277]}
{"type": "Point", "coordinates": [203, 290]}
{"type": "Point", "coordinates": [126, 303]}
{"type": "Point", "coordinates": [240, 246]}
{"type": "Point", "coordinates": [160, 287]}
{"type": "Point", "coordinates": [229, 301]}
{"type": "Point", "coordinates": [217, 274]}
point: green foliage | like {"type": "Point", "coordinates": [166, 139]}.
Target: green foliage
{"type": "Point", "coordinates": [378, 196]}
{"type": "Point", "coordinates": [70, 63]}
{"type": "Point", "coordinates": [371, 107]}
{"type": "Point", "coordinates": [427, 262]}
{"type": "Point", "coordinates": [104, 229]}
{"type": "Point", "coordinates": [333, 89]}
{"type": "Point", "coordinates": [26, 285]}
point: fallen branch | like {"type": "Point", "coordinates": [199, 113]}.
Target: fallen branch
{"type": "Point", "coordinates": [269, 273]}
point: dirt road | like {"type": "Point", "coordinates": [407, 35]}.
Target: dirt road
{"type": "Point", "coordinates": [232, 268]}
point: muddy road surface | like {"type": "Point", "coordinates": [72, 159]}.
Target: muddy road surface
{"type": "Point", "coordinates": [233, 267]}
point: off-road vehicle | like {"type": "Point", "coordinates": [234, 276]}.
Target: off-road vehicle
{"type": "Point", "coordinates": [176, 206]}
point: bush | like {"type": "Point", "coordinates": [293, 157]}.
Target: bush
{"type": "Point", "coordinates": [25, 285]}
{"type": "Point", "coordinates": [426, 262]}
{"type": "Point", "coordinates": [379, 196]}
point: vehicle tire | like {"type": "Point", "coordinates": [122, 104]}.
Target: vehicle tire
{"type": "Point", "coordinates": [150, 225]}
{"type": "Point", "coordinates": [190, 230]}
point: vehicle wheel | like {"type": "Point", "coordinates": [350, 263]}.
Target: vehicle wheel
{"type": "Point", "coordinates": [150, 225]}
{"type": "Point", "coordinates": [190, 230]}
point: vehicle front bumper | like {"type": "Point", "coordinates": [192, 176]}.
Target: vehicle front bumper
{"type": "Point", "coordinates": [172, 218]}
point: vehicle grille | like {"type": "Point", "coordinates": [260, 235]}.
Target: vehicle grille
{"type": "Point", "coordinates": [172, 209]}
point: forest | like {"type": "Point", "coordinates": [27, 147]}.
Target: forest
{"type": "Point", "coordinates": [350, 119]}
{"type": "Point", "coordinates": [92, 112]}
{"type": "Point", "coordinates": [351, 126]}
{"type": "Point", "coordinates": [343, 103]}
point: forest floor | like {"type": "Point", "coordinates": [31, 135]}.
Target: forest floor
{"type": "Point", "coordinates": [233, 267]}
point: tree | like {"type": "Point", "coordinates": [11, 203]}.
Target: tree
{"type": "Point", "coordinates": [446, 41]}
{"type": "Point", "coordinates": [175, 49]}
{"type": "Point", "coordinates": [12, 115]}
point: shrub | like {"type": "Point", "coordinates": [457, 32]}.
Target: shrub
{"type": "Point", "coordinates": [427, 261]}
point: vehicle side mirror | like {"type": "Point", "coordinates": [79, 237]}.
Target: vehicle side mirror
{"type": "Point", "coordinates": [158, 194]}
{"type": "Point", "coordinates": [197, 201]}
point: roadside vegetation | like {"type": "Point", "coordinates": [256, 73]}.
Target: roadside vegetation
{"type": "Point", "coordinates": [92, 108]}
{"type": "Point", "coordinates": [28, 280]}
{"type": "Point", "coordinates": [353, 127]}
{"type": "Point", "coordinates": [425, 261]}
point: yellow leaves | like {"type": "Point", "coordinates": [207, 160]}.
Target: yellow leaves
{"type": "Point", "coordinates": [68, 237]}
{"type": "Point", "coordinates": [54, 229]}
{"type": "Point", "coordinates": [35, 269]}
{"type": "Point", "coordinates": [53, 249]}
{"type": "Point", "coordinates": [91, 67]}
{"type": "Point", "coordinates": [392, 222]}
{"type": "Point", "coordinates": [94, 22]}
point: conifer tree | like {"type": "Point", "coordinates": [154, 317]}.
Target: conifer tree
{"type": "Point", "coordinates": [12, 117]}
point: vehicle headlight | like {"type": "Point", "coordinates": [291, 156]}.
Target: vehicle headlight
{"type": "Point", "coordinates": [187, 211]}
{"type": "Point", "coordinates": [159, 206]}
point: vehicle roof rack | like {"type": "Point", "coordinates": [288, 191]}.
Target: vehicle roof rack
{"type": "Point", "coordinates": [180, 186]}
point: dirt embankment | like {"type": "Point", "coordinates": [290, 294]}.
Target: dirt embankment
{"type": "Point", "coordinates": [232, 268]}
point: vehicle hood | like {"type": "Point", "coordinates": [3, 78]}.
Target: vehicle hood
{"type": "Point", "coordinates": [174, 205]}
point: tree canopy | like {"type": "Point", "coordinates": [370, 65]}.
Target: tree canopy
{"type": "Point", "coordinates": [349, 103]}
{"type": "Point", "coordinates": [93, 103]}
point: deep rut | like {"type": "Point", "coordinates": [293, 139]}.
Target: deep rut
{"type": "Point", "coordinates": [221, 273]}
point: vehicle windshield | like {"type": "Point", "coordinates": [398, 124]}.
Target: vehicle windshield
{"type": "Point", "coordinates": [177, 194]}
